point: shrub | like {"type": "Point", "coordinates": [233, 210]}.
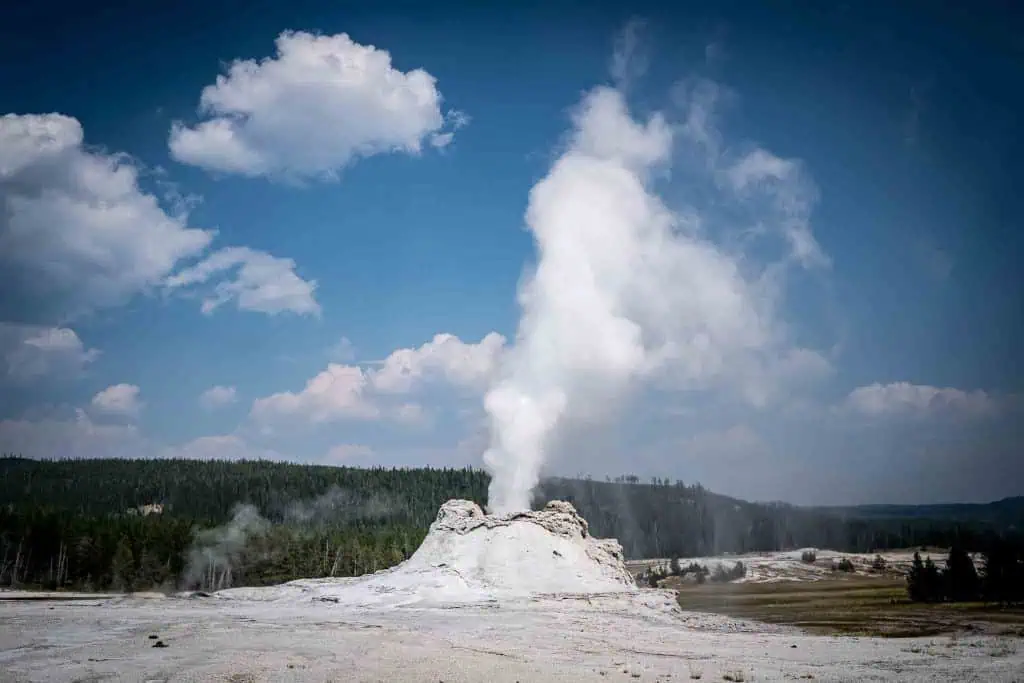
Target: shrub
{"type": "Point", "coordinates": [844, 565]}
{"type": "Point", "coordinates": [654, 575]}
{"type": "Point", "coordinates": [723, 575]}
{"type": "Point", "coordinates": [879, 564]}
{"type": "Point", "coordinates": [808, 556]}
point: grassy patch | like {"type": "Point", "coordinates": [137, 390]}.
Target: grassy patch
{"type": "Point", "coordinates": [853, 606]}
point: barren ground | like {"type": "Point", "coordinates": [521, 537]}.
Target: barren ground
{"type": "Point", "coordinates": [612, 638]}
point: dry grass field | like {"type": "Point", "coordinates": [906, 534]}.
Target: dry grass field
{"type": "Point", "coordinates": [854, 606]}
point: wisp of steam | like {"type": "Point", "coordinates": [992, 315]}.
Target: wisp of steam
{"type": "Point", "coordinates": [624, 288]}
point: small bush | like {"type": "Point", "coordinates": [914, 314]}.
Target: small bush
{"type": "Point", "coordinates": [653, 576]}
{"type": "Point", "coordinates": [808, 556]}
{"type": "Point", "coordinates": [879, 564]}
{"type": "Point", "coordinates": [844, 565]}
{"type": "Point", "coordinates": [723, 575]}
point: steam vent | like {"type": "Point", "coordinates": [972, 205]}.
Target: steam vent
{"type": "Point", "coordinates": [470, 557]}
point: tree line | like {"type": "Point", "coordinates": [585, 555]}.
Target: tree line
{"type": "Point", "coordinates": [85, 524]}
{"type": "Point", "coordinates": [1001, 579]}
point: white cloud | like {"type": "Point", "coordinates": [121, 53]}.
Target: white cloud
{"type": "Point", "coordinates": [77, 233]}
{"type": "Point", "coordinates": [262, 283]}
{"type": "Point", "coordinates": [903, 398]}
{"type": "Point", "coordinates": [32, 351]}
{"type": "Point", "coordinates": [76, 230]}
{"type": "Point", "coordinates": [217, 397]}
{"type": "Point", "coordinates": [79, 437]}
{"type": "Point", "coordinates": [337, 393]}
{"type": "Point", "coordinates": [446, 357]}
{"type": "Point", "coordinates": [321, 103]}
{"type": "Point", "coordinates": [347, 392]}
{"type": "Point", "coordinates": [118, 399]}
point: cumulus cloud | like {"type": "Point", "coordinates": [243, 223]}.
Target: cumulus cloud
{"type": "Point", "coordinates": [76, 230]}
{"type": "Point", "coordinates": [118, 399]}
{"type": "Point", "coordinates": [904, 398]}
{"type": "Point", "coordinates": [217, 397]}
{"type": "Point", "coordinates": [261, 283]}
{"type": "Point", "coordinates": [350, 392]}
{"type": "Point", "coordinates": [315, 107]}
{"type": "Point", "coordinates": [33, 351]}
{"type": "Point", "coordinates": [446, 357]}
{"type": "Point", "coordinates": [337, 393]}
{"type": "Point", "coordinates": [628, 290]}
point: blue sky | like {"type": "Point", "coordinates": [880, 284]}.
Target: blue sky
{"type": "Point", "coordinates": [194, 282]}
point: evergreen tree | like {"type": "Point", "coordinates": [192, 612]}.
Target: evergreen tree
{"type": "Point", "coordinates": [1003, 574]}
{"type": "Point", "coordinates": [924, 582]}
{"type": "Point", "coordinates": [961, 578]}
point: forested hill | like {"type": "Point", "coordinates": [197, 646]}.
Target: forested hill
{"type": "Point", "coordinates": [208, 490]}
{"type": "Point", "coordinates": [1008, 512]}
{"type": "Point", "coordinates": [85, 523]}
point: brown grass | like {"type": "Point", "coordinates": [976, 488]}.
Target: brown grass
{"type": "Point", "coordinates": [853, 606]}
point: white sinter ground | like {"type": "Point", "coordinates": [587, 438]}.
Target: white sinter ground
{"type": "Point", "coordinates": [788, 565]}
{"type": "Point", "coordinates": [523, 597]}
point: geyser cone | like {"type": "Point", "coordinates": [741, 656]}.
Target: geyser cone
{"type": "Point", "coordinates": [469, 557]}
{"type": "Point", "coordinates": [547, 551]}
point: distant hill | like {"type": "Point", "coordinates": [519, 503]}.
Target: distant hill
{"type": "Point", "coordinates": [1008, 512]}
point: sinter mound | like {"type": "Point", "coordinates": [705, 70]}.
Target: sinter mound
{"type": "Point", "coordinates": [468, 556]}
{"type": "Point", "coordinates": [547, 551]}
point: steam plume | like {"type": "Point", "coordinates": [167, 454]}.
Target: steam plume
{"type": "Point", "coordinates": [626, 289]}
{"type": "Point", "coordinates": [215, 552]}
